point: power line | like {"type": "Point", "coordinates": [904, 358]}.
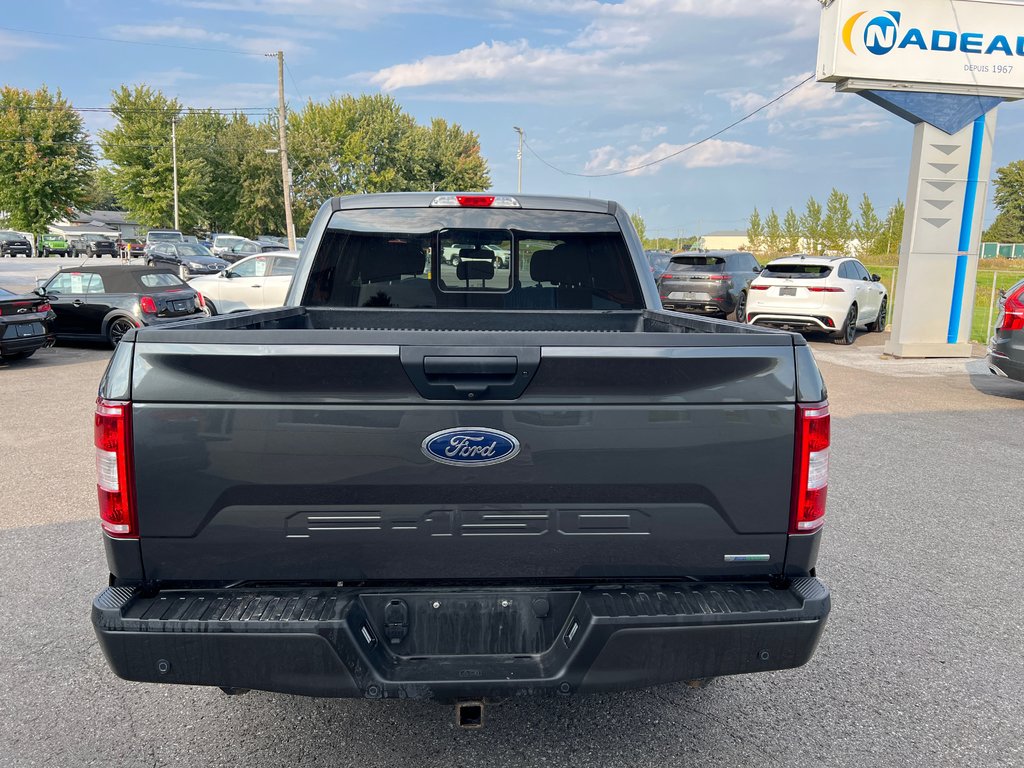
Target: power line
{"type": "Point", "coordinates": [126, 110]}
{"type": "Point", "coordinates": [687, 148]}
{"type": "Point", "coordinates": [298, 91]}
{"type": "Point", "coordinates": [127, 42]}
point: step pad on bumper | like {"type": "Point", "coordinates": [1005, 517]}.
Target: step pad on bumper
{"type": "Point", "coordinates": [457, 642]}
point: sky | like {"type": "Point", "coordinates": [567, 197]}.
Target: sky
{"type": "Point", "coordinates": [596, 86]}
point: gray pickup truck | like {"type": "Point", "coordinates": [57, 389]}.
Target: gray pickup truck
{"type": "Point", "coordinates": [420, 479]}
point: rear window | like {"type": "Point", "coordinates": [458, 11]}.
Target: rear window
{"type": "Point", "coordinates": [804, 271]}
{"type": "Point", "coordinates": [159, 280]}
{"type": "Point", "coordinates": [464, 259]}
{"type": "Point", "coordinates": [695, 263]}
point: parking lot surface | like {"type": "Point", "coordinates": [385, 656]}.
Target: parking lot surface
{"type": "Point", "coordinates": [920, 664]}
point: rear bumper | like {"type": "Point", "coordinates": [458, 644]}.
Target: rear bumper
{"type": "Point", "coordinates": [1004, 366]}
{"type": "Point", "coordinates": [458, 642]}
{"type": "Point", "coordinates": [793, 321]}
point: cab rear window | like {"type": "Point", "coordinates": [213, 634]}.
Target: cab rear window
{"type": "Point", "coordinates": [805, 271]}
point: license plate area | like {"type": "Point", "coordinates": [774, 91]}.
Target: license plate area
{"type": "Point", "coordinates": [787, 291]}
{"type": "Point", "coordinates": [464, 623]}
{"type": "Point", "coordinates": [182, 306]}
{"type": "Point", "coordinates": [689, 296]}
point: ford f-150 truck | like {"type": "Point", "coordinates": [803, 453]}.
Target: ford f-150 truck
{"type": "Point", "coordinates": [420, 479]}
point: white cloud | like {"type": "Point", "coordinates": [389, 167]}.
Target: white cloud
{"type": "Point", "coordinates": [711, 154]}
{"type": "Point", "coordinates": [12, 45]}
{"type": "Point", "coordinates": [809, 97]}
{"type": "Point", "coordinates": [180, 33]}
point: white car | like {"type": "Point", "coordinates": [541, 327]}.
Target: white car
{"type": "Point", "coordinates": [258, 282]}
{"type": "Point", "coordinates": [224, 243]}
{"type": "Point", "coordinates": [817, 293]}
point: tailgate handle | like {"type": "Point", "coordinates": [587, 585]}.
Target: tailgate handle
{"type": "Point", "coordinates": [470, 373]}
{"type": "Point", "coordinates": [470, 367]}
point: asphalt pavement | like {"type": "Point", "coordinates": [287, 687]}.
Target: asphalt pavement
{"type": "Point", "coordinates": [921, 664]}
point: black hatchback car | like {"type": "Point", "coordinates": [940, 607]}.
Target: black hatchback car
{"type": "Point", "coordinates": [105, 302]}
{"type": "Point", "coordinates": [1006, 347]}
{"type": "Point", "coordinates": [24, 324]}
{"type": "Point", "coordinates": [186, 259]}
{"type": "Point", "coordinates": [708, 283]}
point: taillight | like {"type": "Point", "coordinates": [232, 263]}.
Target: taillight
{"type": "Point", "coordinates": [824, 289]}
{"type": "Point", "coordinates": [810, 481]}
{"type": "Point", "coordinates": [115, 484]}
{"type": "Point", "coordinates": [147, 305]}
{"type": "Point", "coordinates": [759, 287]}
{"type": "Point", "coordinates": [43, 308]}
{"type": "Point", "coordinates": [719, 277]}
{"type": "Point", "coordinates": [667, 276]}
{"type": "Point", "coordinates": [200, 301]}
{"type": "Point", "coordinates": [1012, 317]}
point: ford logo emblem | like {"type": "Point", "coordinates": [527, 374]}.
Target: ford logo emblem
{"type": "Point", "coordinates": [470, 447]}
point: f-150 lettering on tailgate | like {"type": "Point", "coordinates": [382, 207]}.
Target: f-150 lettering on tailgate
{"type": "Point", "coordinates": [472, 522]}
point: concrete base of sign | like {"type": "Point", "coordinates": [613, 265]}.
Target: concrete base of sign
{"type": "Point", "coordinates": [924, 349]}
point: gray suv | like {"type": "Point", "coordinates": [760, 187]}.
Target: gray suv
{"type": "Point", "coordinates": [708, 283]}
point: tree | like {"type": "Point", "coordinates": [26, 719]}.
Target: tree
{"type": "Point", "coordinates": [45, 158]}
{"type": "Point", "coordinates": [893, 227]}
{"type": "Point", "coordinates": [869, 230]}
{"type": "Point", "coordinates": [791, 230]}
{"type": "Point", "coordinates": [837, 227]}
{"type": "Point", "coordinates": [138, 149]}
{"type": "Point", "coordinates": [101, 194]}
{"type": "Point", "coordinates": [755, 232]}
{"type": "Point", "coordinates": [774, 237]}
{"type": "Point", "coordinates": [812, 226]}
{"type": "Point", "coordinates": [640, 226]}
{"type": "Point", "coordinates": [1009, 201]}
{"type": "Point", "coordinates": [452, 158]}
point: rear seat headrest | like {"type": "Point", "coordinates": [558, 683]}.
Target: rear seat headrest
{"type": "Point", "coordinates": [391, 262]}
{"type": "Point", "coordinates": [474, 268]}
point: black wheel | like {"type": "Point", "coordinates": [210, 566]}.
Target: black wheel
{"type": "Point", "coordinates": [883, 315]}
{"type": "Point", "coordinates": [149, 262]}
{"type": "Point", "coordinates": [118, 327]}
{"type": "Point", "coordinates": [741, 308]}
{"type": "Point", "coordinates": [848, 332]}
{"type": "Point", "coordinates": [212, 307]}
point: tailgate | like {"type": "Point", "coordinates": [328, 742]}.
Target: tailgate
{"type": "Point", "coordinates": [296, 462]}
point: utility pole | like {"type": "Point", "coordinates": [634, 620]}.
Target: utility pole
{"type": "Point", "coordinates": [519, 157]}
{"type": "Point", "coordinates": [174, 167]}
{"type": "Point", "coordinates": [286, 174]}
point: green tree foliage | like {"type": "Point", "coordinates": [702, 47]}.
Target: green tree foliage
{"type": "Point", "coordinates": [791, 230]}
{"type": "Point", "coordinates": [893, 228]}
{"type": "Point", "coordinates": [813, 226]}
{"type": "Point", "coordinates": [774, 236]}
{"type": "Point", "coordinates": [755, 232]}
{"type": "Point", "coordinates": [640, 226]}
{"type": "Point", "coordinates": [452, 158]}
{"type": "Point", "coordinates": [837, 227]}
{"type": "Point", "coordinates": [101, 194]}
{"type": "Point", "coordinates": [869, 230]}
{"type": "Point", "coordinates": [358, 144]}
{"type": "Point", "coordinates": [138, 149]}
{"type": "Point", "coordinates": [45, 158]}
{"type": "Point", "coordinates": [1009, 200]}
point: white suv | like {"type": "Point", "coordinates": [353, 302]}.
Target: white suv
{"type": "Point", "coordinates": [817, 293]}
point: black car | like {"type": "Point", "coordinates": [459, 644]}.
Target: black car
{"type": "Point", "coordinates": [105, 302]}
{"type": "Point", "coordinates": [249, 247]}
{"type": "Point", "coordinates": [14, 244]}
{"type": "Point", "coordinates": [94, 246]}
{"type": "Point", "coordinates": [186, 258]}
{"type": "Point", "coordinates": [708, 283]}
{"type": "Point", "coordinates": [24, 324]}
{"type": "Point", "coordinates": [1006, 347]}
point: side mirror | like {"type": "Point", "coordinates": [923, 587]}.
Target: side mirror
{"type": "Point", "coordinates": [758, 268]}
{"type": "Point", "coordinates": [40, 289]}
{"type": "Point", "coordinates": [876, 278]}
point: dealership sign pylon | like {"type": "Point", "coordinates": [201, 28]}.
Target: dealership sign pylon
{"type": "Point", "coordinates": [945, 66]}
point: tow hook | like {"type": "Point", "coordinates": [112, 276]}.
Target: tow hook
{"type": "Point", "coordinates": [469, 714]}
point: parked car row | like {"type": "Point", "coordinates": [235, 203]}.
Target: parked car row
{"type": "Point", "coordinates": [833, 295]}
